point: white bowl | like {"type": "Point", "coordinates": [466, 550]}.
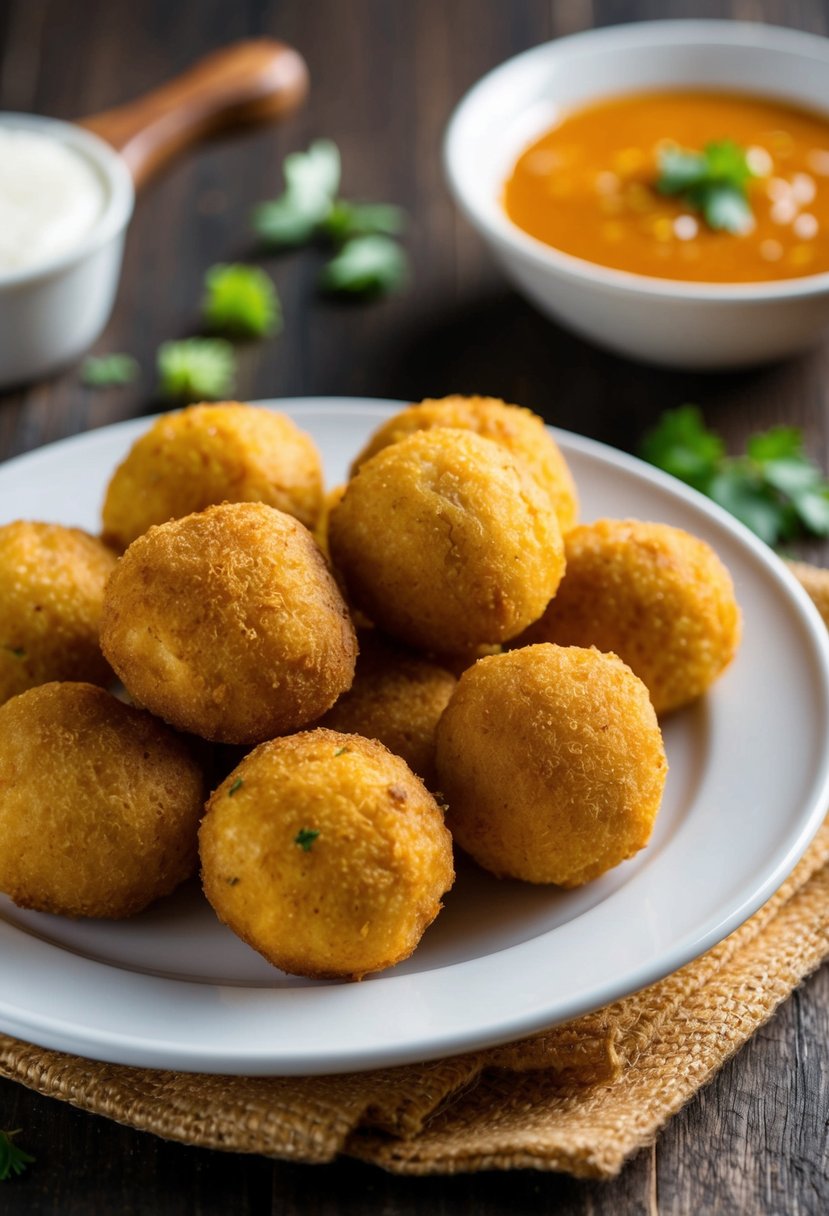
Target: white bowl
{"type": "Point", "coordinates": [52, 312]}
{"type": "Point", "coordinates": [663, 321]}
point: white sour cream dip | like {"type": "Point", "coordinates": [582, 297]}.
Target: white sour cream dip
{"type": "Point", "coordinates": [50, 198]}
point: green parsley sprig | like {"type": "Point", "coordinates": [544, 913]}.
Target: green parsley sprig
{"type": "Point", "coordinates": [241, 301]}
{"type": "Point", "coordinates": [312, 180]}
{"type": "Point", "coordinates": [13, 1159]}
{"type": "Point", "coordinates": [196, 369]}
{"type": "Point", "coordinates": [714, 182]}
{"type": "Point", "coordinates": [368, 261]}
{"type": "Point", "coordinates": [346, 220]}
{"type": "Point", "coordinates": [773, 488]}
{"type": "Point", "coordinates": [366, 265]}
{"type": "Point", "coordinates": [108, 371]}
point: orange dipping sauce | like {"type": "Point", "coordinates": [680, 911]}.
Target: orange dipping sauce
{"type": "Point", "coordinates": [588, 188]}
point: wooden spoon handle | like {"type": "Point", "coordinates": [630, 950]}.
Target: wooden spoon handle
{"type": "Point", "coordinates": [242, 83]}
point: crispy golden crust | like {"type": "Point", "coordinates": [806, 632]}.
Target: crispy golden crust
{"type": "Point", "coordinates": [99, 803]}
{"type": "Point", "coordinates": [229, 624]}
{"type": "Point", "coordinates": [51, 593]}
{"type": "Point", "coordinates": [658, 597]}
{"type": "Point", "coordinates": [397, 698]}
{"type": "Point", "coordinates": [446, 542]}
{"type": "Point", "coordinates": [520, 431]}
{"type": "Point", "coordinates": [361, 893]}
{"type": "Point", "coordinates": [209, 454]}
{"type": "Point", "coordinates": [321, 528]}
{"type": "Point", "coordinates": [552, 764]}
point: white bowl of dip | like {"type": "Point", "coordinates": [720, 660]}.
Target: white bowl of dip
{"type": "Point", "coordinates": [670, 322]}
{"type": "Point", "coordinates": [66, 198]}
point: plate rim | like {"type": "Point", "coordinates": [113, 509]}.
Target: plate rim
{"type": "Point", "coordinates": [131, 1048]}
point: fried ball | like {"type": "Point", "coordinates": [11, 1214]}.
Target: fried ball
{"type": "Point", "coordinates": [658, 597]}
{"type": "Point", "coordinates": [99, 803]}
{"type": "Point", "coordinates": [321, 527]}
{"type": "Point", "coordinates": [552, 764]}
{"type": "Point", "coordinates": [51, 592]}
{"type": "Point", "coordinates": [446, 542]}
{"type": "Point", "coordinates": [520, 431]}
{"type": "Point", "coordinates": [326, 854]}
{"type": "Point", "coordinates": [209, 454]}
{"type": "Point", "coordinates": [397, 697]}
{"type": "Point", "coordinates": [229, 624]}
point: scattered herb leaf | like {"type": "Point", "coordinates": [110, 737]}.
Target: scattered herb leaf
{"type": "Point", "coordinates": [774, 488]}
{"type": "Point", "coordinates": [17, 651]}
{"type": "Point", "coordinates": [108, 371]}
{"type": "Point", "coordinates": [346, 220]}
{"type": "Point", "coordinates": [196, 369]}
{"type": "Point", "coordinates": [237, 785]}
{"type": "Point", "coordinates": [241, 300]}
{"type": "Point", "coordinates": [713, 181]}
{"type": "Point", "coordinates": [366, 265]}
{"type": "Point", "coordinates": [13, 1160]}
{"type": "Point", "coordinates": [680, 444]}
{"type": "Point", "coordinates": [305, 838]}
{"type": "Point", "coordinates": [312, 179]}
{"type": "Point", "coordinates": [232, 882]}
{"type": "Point", "coordinates": [341, 751]}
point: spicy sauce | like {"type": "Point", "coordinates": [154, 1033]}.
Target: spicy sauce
{"type": "Point", "coordinates": [588, 187]}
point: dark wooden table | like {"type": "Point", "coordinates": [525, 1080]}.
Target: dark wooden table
{"type": "Point", "coordinates": [385, 77]}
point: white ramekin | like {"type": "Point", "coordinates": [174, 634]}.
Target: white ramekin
{"type": "Point", "coordinates": [53, 311]}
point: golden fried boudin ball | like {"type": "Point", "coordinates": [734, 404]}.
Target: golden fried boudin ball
{"type": "Point", "coordinates": [51, 592]}
{"type": "Point", "coordinates": [229, 624]}
{"type": "Point", "coordinates": [99, 803]}
{"type": "Point", "coordinates": [397, 697]}
{"type": "Point", "coordinates": [520, 431]}
{"type": "Point", "coordinates": [446, 542]}
{"type": "Point", "coordinates": [658, 597]}
{"type": "Point", "coordinates": [326, 854]}
{"type": "Point", "coordinates": [208, 454]}
{"type": "Point", "coordinates": [321, 527]}
{"type": "Point", "coordinates": [552, 764]}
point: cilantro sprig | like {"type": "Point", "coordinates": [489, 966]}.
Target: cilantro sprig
{"type": "Point", "coordinates": [346, 220]}
{"type": "Point", "coordinates": [13, 1159]}
{"type": "Point", "coordinates": [196, 369]}
{"type": "Point", "coordinates": [312, 180]}
{"type": "Point", "coordinates": [773, 488]}
{"type": "Point", "coordinates": [241, 300]}
{"type": "Point", "coordinates": [366, 265]}
{"type": "Point", "coordinates": [108, 371]}
{"type": "Point", "coordinates": [714, 182]}
{"type": "Point", "coordinates": [368, 260]}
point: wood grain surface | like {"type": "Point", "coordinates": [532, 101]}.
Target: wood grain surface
{"type": "Point", "coordinates": [385, 75]}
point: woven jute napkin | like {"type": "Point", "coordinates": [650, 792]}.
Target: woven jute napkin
{"type": "Point", "coordinates": [580, 1098]}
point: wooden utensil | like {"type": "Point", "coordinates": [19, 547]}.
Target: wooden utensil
{"type": "Point", "coordinates": [246, 82]}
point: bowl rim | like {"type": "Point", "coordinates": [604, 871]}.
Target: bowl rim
{"type": "Point", "coordinates": [514, 241]}
{"type": "Point", "coordinates": [117, 209]}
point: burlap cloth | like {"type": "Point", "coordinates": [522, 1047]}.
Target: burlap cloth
{"type": "Point", "coordinates": [580, 1098]}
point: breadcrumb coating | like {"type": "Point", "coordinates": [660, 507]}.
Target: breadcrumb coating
{"type": "Point", "coordinates": [552, 764]}
{"type": "Point", "coordinates": [520, 431]}
{"type": "Point", "coordinates": [397, 698]}
{"type": "Point", "coordinates": [229, 624]}
{"type": "Point", "coordinates": [99, 803]}
{"type": "Point", "coordinates": [446, 542]}
{"type": "Point", "coordinates": [51, 595]}
{"type": "Point", "coordinates": [326, 854]}
{"type": "Point", "coordinates": [653, 594]}
{"type": "Point", "coordinates": [208, 454]}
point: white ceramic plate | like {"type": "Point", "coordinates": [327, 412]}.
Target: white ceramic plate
{"type": "Point", "coordinates": [747, 788]}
